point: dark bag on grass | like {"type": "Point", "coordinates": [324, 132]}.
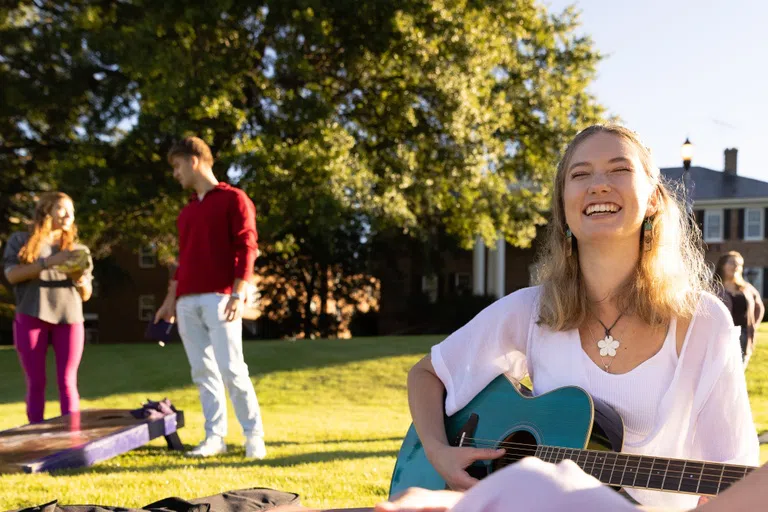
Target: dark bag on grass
{"type": "Point", "coordinates": [243, 500]}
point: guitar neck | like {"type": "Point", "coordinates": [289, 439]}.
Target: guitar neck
{"type": "Point", "coordinates": [647, 472]}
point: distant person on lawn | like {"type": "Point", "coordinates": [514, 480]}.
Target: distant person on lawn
{"type": "Point", "coordinates": [217, 250]}
{"type": "Point", "coordinates": [741, 299]}
{"type": "Point", "coordinates": [51, 277]}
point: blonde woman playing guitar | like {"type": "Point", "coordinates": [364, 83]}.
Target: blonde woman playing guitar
{"type": "Point", "coordinates": [623, 312]}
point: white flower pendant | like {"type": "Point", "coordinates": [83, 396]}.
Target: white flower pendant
{"type": "Point", "coordinates": [608, 346]}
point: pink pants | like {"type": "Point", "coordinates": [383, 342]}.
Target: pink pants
{"type": "Point", "coordinates": [31, 337]}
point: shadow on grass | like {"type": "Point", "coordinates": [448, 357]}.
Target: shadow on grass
{"type": "Point", "coordinates": [146, 368]}
{"type": "Point", "coordinates": [233, 460]}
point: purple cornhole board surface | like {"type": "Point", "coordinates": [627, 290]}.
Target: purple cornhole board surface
{"type": "Point", "coordinates": [82, 439]}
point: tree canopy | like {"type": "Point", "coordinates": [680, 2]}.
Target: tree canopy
{"type": "Point", "coordinates": [340, 118]}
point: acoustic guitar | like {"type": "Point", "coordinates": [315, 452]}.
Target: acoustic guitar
{"type": "Point", "coordinates": [566, 423]}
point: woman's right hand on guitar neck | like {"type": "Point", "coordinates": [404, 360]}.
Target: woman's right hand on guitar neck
{"type": "Point", "coordinates": [425, 399]}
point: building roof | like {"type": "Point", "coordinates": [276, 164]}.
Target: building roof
{"type": "Point", "coordinates": [713, 185]}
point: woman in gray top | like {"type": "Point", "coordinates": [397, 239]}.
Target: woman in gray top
{"type": "Point", "coordinates": [51, 277]}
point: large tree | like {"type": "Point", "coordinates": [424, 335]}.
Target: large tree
{"type": "Point", "coordinates": [340, 118]}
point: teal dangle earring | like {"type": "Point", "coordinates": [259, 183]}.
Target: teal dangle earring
{"type": "Point", "coordinates": [568, 241]}
{"type": "Point", "coordinates": [647, 234]}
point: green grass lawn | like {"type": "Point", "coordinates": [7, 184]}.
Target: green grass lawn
{"type": "Point", "coordinates": [334, 414]}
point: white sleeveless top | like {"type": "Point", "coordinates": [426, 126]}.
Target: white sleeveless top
{"type": "Point", "coordinates": [691, 407]}
{"type": "Point", "coordinates": [638, 410]}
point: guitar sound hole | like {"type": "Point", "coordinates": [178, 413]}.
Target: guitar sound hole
{"type": "Point", "coordinates": [519, 445]}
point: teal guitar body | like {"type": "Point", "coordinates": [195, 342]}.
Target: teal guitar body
{"type": "Point", "coordinates": [505, 415]}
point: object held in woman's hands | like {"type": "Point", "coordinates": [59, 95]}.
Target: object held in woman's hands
{"type": "Point", "coordinates": [78, 262]}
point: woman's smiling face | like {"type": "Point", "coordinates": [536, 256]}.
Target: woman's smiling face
{"type": "Point", "coordinates": [607, 192]}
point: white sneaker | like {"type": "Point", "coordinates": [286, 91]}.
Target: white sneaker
{"type": "Point", "coordinates": [254, 447]}
{"type": "Point", "coordinates": [213, 445]}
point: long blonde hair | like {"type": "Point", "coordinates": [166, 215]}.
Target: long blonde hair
{"type": "Point", "coordinates": [669, 278]}
{"type": "Point", "coordinates": [42, 225]}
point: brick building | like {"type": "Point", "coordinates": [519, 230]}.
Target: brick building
{"type": "Point", "coordinates": [128, 288]}
{"type": "Point", "coordinates": [731, 211]}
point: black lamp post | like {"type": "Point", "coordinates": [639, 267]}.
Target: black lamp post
{"type": "Point", "coordinates": [687, 153]}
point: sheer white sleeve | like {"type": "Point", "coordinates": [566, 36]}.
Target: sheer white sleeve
{"type": "Point", "coordinates": [725, 430]}
{"type": "Point", "coordinates": [492, 343]}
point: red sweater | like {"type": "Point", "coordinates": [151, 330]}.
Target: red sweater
{"type": "Point", "coordinates": [217, 241]}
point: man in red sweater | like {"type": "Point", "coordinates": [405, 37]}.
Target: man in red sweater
{"type": "Point", "coordinates": [217, 249]}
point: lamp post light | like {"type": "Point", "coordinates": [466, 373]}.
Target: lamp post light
{"type": "Point", "coordinates": [687, 153]}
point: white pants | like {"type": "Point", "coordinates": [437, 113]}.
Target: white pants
{"type": "Point", "coordinates": [214, 348]}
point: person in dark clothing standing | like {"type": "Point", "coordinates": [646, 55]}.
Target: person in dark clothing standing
{"type": "Point", "coordinates": [741, 299]}
{"type": "Point", "coordinates": [217, 250]}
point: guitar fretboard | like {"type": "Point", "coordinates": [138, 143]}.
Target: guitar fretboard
{"type": "Point", "coordinates": [646, 472]}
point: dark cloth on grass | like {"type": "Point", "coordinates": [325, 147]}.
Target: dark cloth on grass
{"type": "Point", "coordinates": [243, 500]}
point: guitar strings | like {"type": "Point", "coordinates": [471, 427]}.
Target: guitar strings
{"type": "Point", "coordinates": [530, 450]}
{"type": "Point", "coordinates": [492, 442]}
{"type": "Point", "coordinates": [640, 472]}
{"type": "Point", "coordinates": [646, 472]}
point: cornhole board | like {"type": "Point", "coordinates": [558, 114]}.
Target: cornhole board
{"type": "Point", "coordinates": [82, 439]}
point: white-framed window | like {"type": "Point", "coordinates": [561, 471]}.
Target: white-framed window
{"type": "Point", "coordinates": [429, 287]}
{"type": "Point", "coordinates": [753, 223]}
{"type": "Point", "coordinates": [713, 225]}
{"type": "Point", "coordinates": [147, 256]}
{"type": "Point", "coordinates": [146, 307]}
{"type": "Point", "coordinates": [754, 276]}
